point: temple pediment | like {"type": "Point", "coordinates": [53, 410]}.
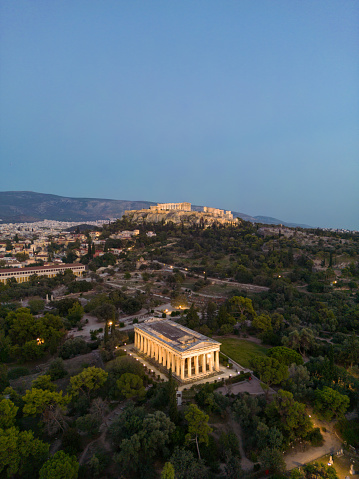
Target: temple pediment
{"type": "Point", "coordinates": [201, 345]}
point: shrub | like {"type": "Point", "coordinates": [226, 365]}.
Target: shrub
{"type": "Point", "coordinates": [73, 347]}
{"type": "Point", "coordinates": [57, 369]}
{"type": "Point", "coordinates": [315, 437]}
{"type": "Point", "coordinates": [18, 372]}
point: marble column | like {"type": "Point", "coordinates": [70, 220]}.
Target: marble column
{"type": "Point", "coordinates": [145, 345]}
{"type": "Point", "coordinates": [189, 367]}
{"type": "Point", "coordinates": [211, 361]}
{"type": "Point", "coordinates": [204, 369]}
{"type": "Point", "coordinates": [182, 368]}
{"type": "Point", "coordinates": [141, 343]}
{"type": "Point", "coordinates": [196, 369]}
{"type": "Point", "coordinates": [217, 360]}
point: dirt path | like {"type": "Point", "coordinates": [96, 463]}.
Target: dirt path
{"type": "Point", "coordinates": [102, 438]}
{"type": "Point", "coordinates": [331, 445]}
{"type": "Point", "coordinates": [246, 464]}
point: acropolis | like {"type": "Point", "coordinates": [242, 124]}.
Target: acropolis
{"type": "Point", "coordinates": [180, 213]}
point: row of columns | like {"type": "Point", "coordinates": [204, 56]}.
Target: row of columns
{"type": "Point", "coordinates": [182, 367]}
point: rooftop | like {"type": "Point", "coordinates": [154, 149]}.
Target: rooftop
{"type": "Point", "coordinates": [175, 335]}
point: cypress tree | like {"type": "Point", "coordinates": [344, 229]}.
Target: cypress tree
{"type": "Point", "coordinates": [172, 400]}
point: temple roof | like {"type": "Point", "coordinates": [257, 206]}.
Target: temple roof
{"type": "Point", "coordinates": [175, 335]}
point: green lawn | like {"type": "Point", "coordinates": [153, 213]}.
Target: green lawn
{"type": "Point", "coordinates": [241, 350]}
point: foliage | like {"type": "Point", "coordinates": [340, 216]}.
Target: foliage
{"type": "Point", "coordinates": [329, 403]}
{"type": "Point", "coordinates": [130, 385]}
{"type": "Point", "coordinates": [43, 382]}
{"type": "Point", "coordinates": [186, 466]}
{"type": "Point", "coordinates": [285, 355]}
{"type": "Point", "coordinates": [142, 443]}
{"type": "Point", "coordinates": [21, 453]}
{"type": "Point", "coordinates": [289, 416]}
{"type": "Point", "coordinates": [36, 306]}
{"type": "Point", "coordinates": [73, 347]}
{"type": "Point", "coordinates": [87, 381]}
{"type": "Point", "coordinates": [8, 412]}
{"type": "Point", "coordinates": [60, 466]}
{"type": "Point", "coordinates": [198, 428]}
{"type": "Point", "coordinates": [18, 372]}
{"type": "Point", "coordinates": [75, 314]}
{"type": "Point", "coordinates": [270, 371]}
{"type": "Point", "coordinates": [57, 369]}
{"type": "Point", "coordinates": [36, 401]}
{"type": "Point", "coordinates": [30, 337]}
{"type": "Point", "coordinates": [272, 459]}
{"type": "Point", "coordinates": [314, 470]}
{"type": "Point", "coordinates": [168, 471]}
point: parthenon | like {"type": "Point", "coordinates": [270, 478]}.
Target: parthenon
{"type": "Point", "coordinates": [190, 355]}
{"type": "Point", "coordinates": [172, 206]}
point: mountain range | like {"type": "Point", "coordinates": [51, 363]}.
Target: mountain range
{"type": "Point", "coordinates": [28, 206]}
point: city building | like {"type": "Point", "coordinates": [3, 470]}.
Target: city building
{"type": "Point", "coordinates": [23, 274]}
{"type": "Point", "coordinates": [190, 355]}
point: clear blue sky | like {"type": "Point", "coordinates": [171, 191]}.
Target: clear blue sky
{"type": "Point", "coordinates": [245, 105]}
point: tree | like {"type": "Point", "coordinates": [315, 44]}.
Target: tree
{"type": "Point", "coordinates": [186, 466]}
{"type": "Point", "coordinates": [299, 381]}
{"type": "Point", "coordinates": [43, 382]}
{"type": "Point", "coordinates": [57, 369]}
{"type": "Point", "coordinates": [21, 453]}
{"type": "Point", "coordinates": [243, 307]}
{"type": "Point", "coordinates": [143, 440]}
{"type": "Point", "coordinates": [106, 311]}
{"type": "Point", "coordinates": [329, 403]}
{"type": "Point", "coordinates": [272, 459]}
{"type": "Point", "coordinates": [36, 306]}
{"type": "Point", "coordinates": [270, 371]}
{"type": "Point", "coordinates": [289, 416]}
{"type": "Point", "coordinates": [198, 428]}
{"type": "Point", "coordinates": [263, 323]}
{"type": "Point", "coordinates": [351, 350]}
{"type": "Point", "coordinates": [8, 412]}
{"type": "Point", "coordinates": [75, 314]}
{"type": "Point", "coordinates": [172, 398]}
{"type": "Point", "coordinates": [131, 385]}
{"type": "Point", "coordinates": [37, 401]}
{"type": "Point", "coordinates": [285, 355]}
{"type": "Point", "coordinates": [60, 466]}
{"type": "Point", "coordinates": [168, 471]}
{"type": "Point", "coordinates": [87, 381]}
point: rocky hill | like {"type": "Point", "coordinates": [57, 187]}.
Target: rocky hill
{"type": "Point", "coordinates": [174, 216]}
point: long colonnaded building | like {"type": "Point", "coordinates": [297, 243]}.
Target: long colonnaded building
{"type": "Point", "coordinates": [190, 355]}
{"type": "Point", "coordinates": [22, 275]}
{"type": "Point", "coordinates": [172, 206]}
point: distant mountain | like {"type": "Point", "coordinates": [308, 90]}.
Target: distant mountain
{"type": "Point", "coordinates": [28, 206]}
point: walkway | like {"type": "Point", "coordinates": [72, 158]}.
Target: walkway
{"type": "Point", "coordinates": [331, 445]}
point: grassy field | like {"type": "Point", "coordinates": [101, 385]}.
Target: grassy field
{"type": "Point", "coordinates": [241, 350]}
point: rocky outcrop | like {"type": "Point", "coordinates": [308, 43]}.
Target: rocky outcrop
{"type": "Point", "coordinates": [175, 216]}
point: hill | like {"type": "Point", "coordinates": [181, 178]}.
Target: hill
{"type": "Point", "coordinates": [28, 206]}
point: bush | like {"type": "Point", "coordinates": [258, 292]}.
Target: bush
{"type": "Point", "coordinates": [315, 437]}
{"type": "Point", "coordinates": [18, 372]}
{"type": "Point", "coordinates": [57, 369]}
{"type": "Point", "coordinates": [71, 441]}
{"type": "Point", "coordinates": [73, 347]}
